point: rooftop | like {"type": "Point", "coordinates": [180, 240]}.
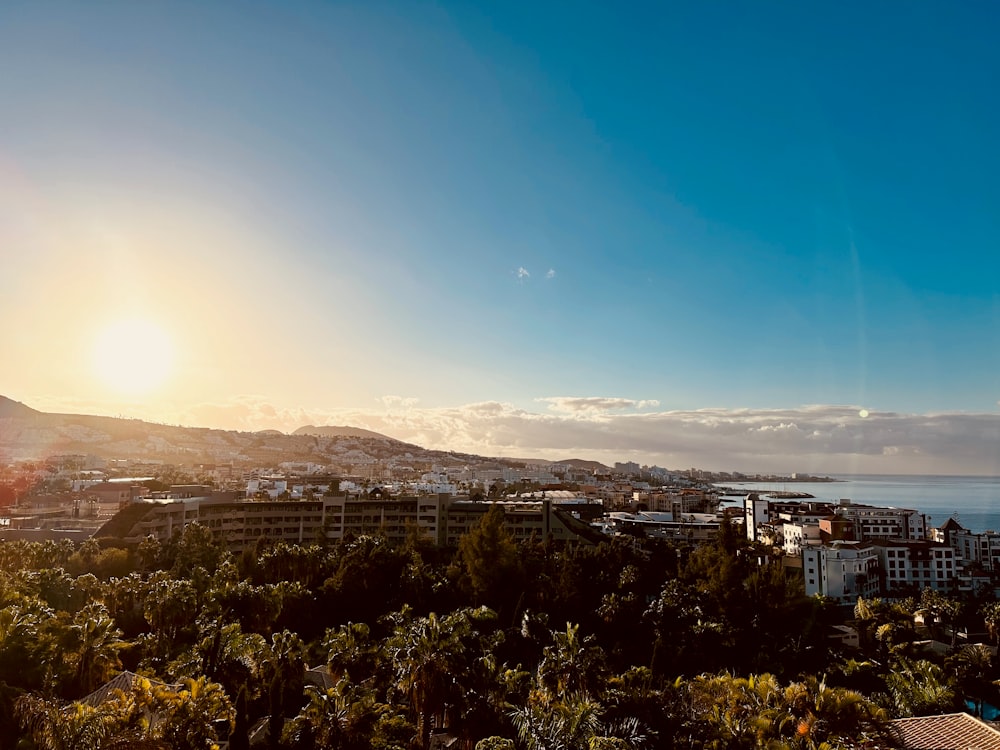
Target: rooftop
{"type": "Point", "coordinates": [946, 732]}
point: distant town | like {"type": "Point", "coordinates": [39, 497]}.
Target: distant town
{"type": "Point", "coordinates": [838, 551]}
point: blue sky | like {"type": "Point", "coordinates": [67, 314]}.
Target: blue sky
{"type": "Point", "coordinates": [397, 211]}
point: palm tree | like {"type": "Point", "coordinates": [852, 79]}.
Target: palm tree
{"type": "Point", "coordinates": [974, 667]}
{"type": "Point", "coordinates": [868, 615]}
{"type": "Point", "coordinates": [941, 610]}
{"type": "Point", "coordinates": [191, 715]}
{"type": "Point", "coordinates": [572, 664]}
{"type": "Point", "coordinates": [352, 652]}
{"type": "Point", "coordinates": [117, 724]}
{"type": "Point", "coordinates": [169, 608]}
{"type": "Point", "coordinates": [54, 726]}
{"type": "Point", "coordinates": [567, 724]}
{"type": "Point", "coordinates": [340, 717]}
{"type": "Point", "coordinates": [98, 641]}
{"type": "Point", "coordinates": [20, 627]}
{"type": "Point", "coordinates": [919, 688]}
{"type": "Point", "coordinates": [991, 616]}
{"type": "Point", "coordinates": [284, 670]}
{"type": "Point", "coordinates": [823, 713]}
{"type": "Point", "coordinates": [226, 655]}
{"type": "Point", "coordinates": [436, 662]}
{"type": "Point", "coordinates": [426, 656]}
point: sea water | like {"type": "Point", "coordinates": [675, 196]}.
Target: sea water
{"type": "Point", "coordinates": [973, 501]}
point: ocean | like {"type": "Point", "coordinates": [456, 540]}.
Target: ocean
{"type": "Point", "coordinates": [973, 501]}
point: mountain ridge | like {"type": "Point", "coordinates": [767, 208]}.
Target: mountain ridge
{"type": "Point", "coordinates": [10, 408]}
{"type": "Point", "coordinates": [339, 431]}
{"type": "Point", "coordinates": [29, 435]}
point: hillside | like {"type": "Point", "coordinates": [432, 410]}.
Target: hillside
{"type": "Point", "coordinates": [11, 408]}
{"type": "Point", "coordinates": [27, 434]}
{"type": "Point", "coordinates": [579, 463]}
{"type": "Point", "coordinates": [339, 431]}
{"type": "Point", "coordinates": [576, 463]}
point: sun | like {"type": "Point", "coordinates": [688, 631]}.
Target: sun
{"type": "Point", "coordinates": [133, 356]}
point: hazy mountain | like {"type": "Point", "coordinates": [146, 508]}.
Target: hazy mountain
{"type": "Point", "coordinates": [11, 408]}
{"type": "Point", "coordinates": [579, 463]}
{"type": "Point", "coordinates": [27, 434]}
{"type": "Point", "coordinates": [576, 463]}
{"type": "Point", "coordinates": [339, 431]}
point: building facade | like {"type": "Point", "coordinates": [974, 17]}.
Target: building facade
{"type": "Point", "coordinates": [842, 571]}
{"type": "Point", "coordinates": [441, 519]}
{"type": "Point", "coordinates": [909, 566]}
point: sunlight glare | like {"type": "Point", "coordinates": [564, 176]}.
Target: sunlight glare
{"type": "Point", "coordinates": [133, 356]}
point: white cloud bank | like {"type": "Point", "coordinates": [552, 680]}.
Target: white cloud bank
{"type": "Point", "coordinates": [813, 439]}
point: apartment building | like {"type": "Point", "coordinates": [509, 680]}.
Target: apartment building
{"type": "Point", "coordinates": [912, 564]}
{"type": "Point", "coordinates": [846, 521]}
{"type": "Point", "coordinates": [978, 550]}
{"type": "Point", "coordinates": [796, 534]}
{"type": "Point", "coordinates": [845, 570]}
{"type": "Point", "coordinates": [676, 501]}
{"type": "Point", "coordinates": [392, 517]}
{"type": "Point", "coordinates": [871, 522]}
{"type": "Point", "coordinates": [523, 519]}
{"type": "Point", "coordinates": [764, 516]}
{"type": "Point", "coordinates": [842, 571]}
{"type": "Point", "coordinates": [692, 528]}
{"type": "Point", "coordinates": [442, 519]}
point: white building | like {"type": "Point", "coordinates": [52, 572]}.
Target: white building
{"type": "Point", "coordinates": [758, 511]}
{"type": "Point", "coordinates": [795, 535]}
{"type": "Point", "coordinates": [982, 549]}
{"type": "Point", "coordinates": [842, 571]}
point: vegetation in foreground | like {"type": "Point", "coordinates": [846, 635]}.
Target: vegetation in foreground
{"type": "Point", "coordinates": [526, 646]}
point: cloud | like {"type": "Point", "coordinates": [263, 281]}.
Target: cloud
{"type": "Point", "coordinates": [594, 403]}
{"type": "Point", "coordinates": [401, 401]}
{"type": "Point", "coordinates": [248, 413]}
{"type": "Point", "coordinates": [813, 438]}
{"type": "Point", "coordinates": [550, 274]}
{"type": "Point", "coordinates": [522, 273]}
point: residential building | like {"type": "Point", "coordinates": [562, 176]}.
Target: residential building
{"type": "Point", "coordinates": [798, 533]}
{"type": "Point", "coordinates": [439, 518]}
{"type": "Point", "coordinates": [676, 501]}
{"type": "Point", "coordinates": [980, 551]}
{"type": "Point", "coordinates": [913, 565]}
{"type": "Point", "coordinates": [842, 571]}
{"type": "Point", "coordinates": [845, 521]}
{"type": "Point", "coordinates": [691, 528]}
{"type": "Point", "coordinates": [871, 522]}
{"type": "Point", "coordinates": [757, 512]}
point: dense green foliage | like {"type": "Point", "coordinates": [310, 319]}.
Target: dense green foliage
{"type": "Point", "coordinates": [506, 645]}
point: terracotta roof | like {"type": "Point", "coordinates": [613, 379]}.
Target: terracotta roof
{"type": "Point", "coordinates": [946, 732]}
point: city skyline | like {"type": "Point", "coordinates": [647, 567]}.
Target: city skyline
{"type": "Point", "coordinates": [758, 239]}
